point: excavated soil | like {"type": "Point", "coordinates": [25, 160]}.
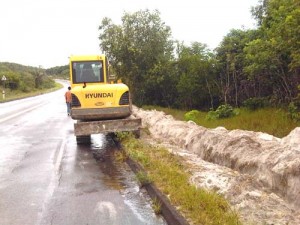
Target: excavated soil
{"type": "Point", "coordinates": [257, 173]}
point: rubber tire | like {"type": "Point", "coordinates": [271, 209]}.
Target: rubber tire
{"type": "Point", "coordinates": [86, 139]}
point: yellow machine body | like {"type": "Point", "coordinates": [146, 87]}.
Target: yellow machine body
{"type": "Point", "coordinates": [93, 96]}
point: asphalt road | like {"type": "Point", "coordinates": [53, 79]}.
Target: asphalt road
{"type": "Point", "coordinates": [45, 178]}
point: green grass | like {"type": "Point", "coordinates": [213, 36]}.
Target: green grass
{"type": "Point", "coordinates": [14, 95]}
{"type": "Point", "coordinates": [268, 120]}
{"type": "Point", "coordinates": [143, 178]}
{"type": "Point", "coordinates": [156, 205]}
{"type": "Point", "coordinates": [169, 173]}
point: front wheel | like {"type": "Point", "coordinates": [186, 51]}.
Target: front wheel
{"type": "Point", "coordinates": [86, 139]}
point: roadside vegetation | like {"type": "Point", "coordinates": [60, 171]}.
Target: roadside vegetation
{"type": "Point", "coordinates": [274, 121]}
{"type": "Point", "coordinates": [24, 81]}
{"type": "Point", "coordinates": [254, 72]}
{"type": "Point", "coordinates": [16, 94]}
{"type": "Point", "coordinates": [254, 65]}
{"type": "Point", "coordinates": [169, 173]}
{"type": "Point", "coordinates": [59, 72]}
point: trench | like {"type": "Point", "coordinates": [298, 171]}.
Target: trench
{"type": "Point", "coordinates": [256, 172]}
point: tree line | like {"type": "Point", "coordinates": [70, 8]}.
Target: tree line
{"type": "Point", "coordinates": [260, 64]}
{"type": "Point", "coordinates": [24, 78]}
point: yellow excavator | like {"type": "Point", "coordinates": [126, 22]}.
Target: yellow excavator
{"type": "Point", "coordinates": [99, 104]}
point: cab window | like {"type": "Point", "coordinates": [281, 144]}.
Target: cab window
{"type": "Point", "coordinates": [87, 71]}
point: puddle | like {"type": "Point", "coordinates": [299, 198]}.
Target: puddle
{"type": "Point", "coordinates": [118, 175]}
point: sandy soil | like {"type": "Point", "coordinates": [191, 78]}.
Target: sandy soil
{"type": "Point", "coordinates": [257, 173]}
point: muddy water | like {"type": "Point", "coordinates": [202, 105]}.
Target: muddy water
{"type": "Point", "coordinates": [118, 176]}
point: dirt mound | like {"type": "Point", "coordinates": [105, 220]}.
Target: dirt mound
{"type": "Point", "coordinates": [263, 180]}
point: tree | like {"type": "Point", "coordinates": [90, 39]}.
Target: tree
{"type": "Point", "coordinates": [232, 81]}
{"type": "Point", "coordinates": [195, 72]}
{"type": "Point", "coordinates": [160, 85]}
{"type": "Point", "coordinates": [59, 71]}
{"type": "Point", "coordinates": [138, 48]}
{"type": "Point", "coordinates": [275, 54]}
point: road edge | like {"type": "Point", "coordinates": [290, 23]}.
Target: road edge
{"type": "Point", "coordinates": [168, 211]}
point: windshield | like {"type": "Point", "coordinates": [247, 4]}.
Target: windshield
{"type": "Point", "coordinates": [87, 71]}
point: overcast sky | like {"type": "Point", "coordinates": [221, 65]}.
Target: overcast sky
{"type": "Point", "coordinates": [46, 32]}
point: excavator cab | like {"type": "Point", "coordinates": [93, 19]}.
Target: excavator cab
{"type": "Point", "coordinates": [87, 72]}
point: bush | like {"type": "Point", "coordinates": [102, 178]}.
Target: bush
{"type": "Point", "coordinates": [143, 178]}
{"type": "Point", "coordinates": [294, 108]}
{"type": "Point", "coordinates": [13, 80]}
{"type": "Point", "coordinates": [294, 111]}
{"type": "Point", "coordinates": [212, 115]}
{"type": "Point", "coordinates": [223, 111]}
{"type": "Point", "coordinates": [255, 103]}
{"type": "Point", "coordinates": [192, 115]}
{"type": "Point", "coordinates": [47, 83]}
{"type": "Point", "coordinates": [27, 82]}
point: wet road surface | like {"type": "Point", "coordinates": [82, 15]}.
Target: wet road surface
{"type": "Point", "coordinates": [45, 178]}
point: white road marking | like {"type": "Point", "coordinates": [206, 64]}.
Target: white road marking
{"type": "Point", "coordinates": [107, 208]}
